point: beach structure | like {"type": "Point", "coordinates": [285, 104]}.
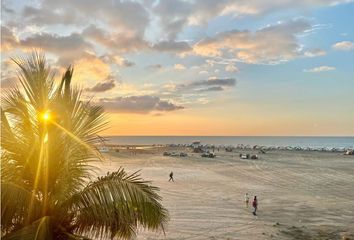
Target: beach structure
{"type": "Point", "coordinates": [196, 144]}
{"type": "Point", "coordinates": [197, 147]}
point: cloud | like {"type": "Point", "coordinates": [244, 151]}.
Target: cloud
{"type": "Point", "coordinates": [116, 59]}
{"type": "Point", "coordinates": [92, 67]}
{"type": "Point", "coordinates": [270, 45]}
{"type": "Point", "coordinates": [317, 52]}
{"type": "Point", "coordinates": [172, 46]}
{"type": "Point", "coordinates": [9, 77]}
{"type": "Point", "coordinates": [203, 72]}
{"type": "Point", "coordinates": [344, 46]}
{"type": "Point", "coordinates": [138, 104]}
{"type": "Point", "coordinates": [8, 39]}
{"type": "Point", "coordinates": [121, 42]}
{"type": "Point", "coordinates": [56, 43]}
{"type": "Point", "coordinates": [125, 25]}
{"type": "Point", "coordinates": [214, 84]}
{"type": "Point", "coordinates": [174, 15]}
{"type": "Point", "coordinates": [259, 7]}
{"type": "Point", "coordinates": [117, 14]}
{"type": "Point", "coordinates": [68, 49]}
{"type": "Point", "coordinates": [102, 86]}
{"type": "Point", "coordinates": [5, 8]}
{"type": "Point", "coordinates": [155, 66]}
{"type": "Point", "coordinates": [231, 68]}
{"type": "Point", "coordinates": [179, 66]}
{"type": "Point", "coordinates": [87, 66]}
{"type": "Point", "coordinates": [71, 49]}
{"type": "Point", "coordinates": [320, 69]}
{"type": "Point", "coordinates": [44, 16]}
{"type": "Point", "coordinates": [212, 89]}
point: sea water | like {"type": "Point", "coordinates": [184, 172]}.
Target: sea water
{"type": "Point", "coordinates": [315, 142]}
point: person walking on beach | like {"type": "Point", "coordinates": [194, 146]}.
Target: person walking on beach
{"type": "Point", "coordinates": [247, 199]}
{"type": "Point", "coordinates": [255, 205]}
{"type": "Point", "coordinates": [171, 177]}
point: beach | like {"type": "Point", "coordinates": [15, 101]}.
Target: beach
{"type": "Point", "coordinates": [302, 194]}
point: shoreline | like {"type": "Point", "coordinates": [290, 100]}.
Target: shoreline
{"type": "Point", "coordinates": [340, 143]}
{"type": "Point", "coordinates": [231, 148]}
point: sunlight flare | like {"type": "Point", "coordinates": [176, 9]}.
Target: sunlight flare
{"type": "Point", "coordinates": [46, 116]}
{"type": "Point", "coordinates": [78, 140]}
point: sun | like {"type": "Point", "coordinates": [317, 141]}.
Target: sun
{"type": "Point", "coordinates": [46, 116]}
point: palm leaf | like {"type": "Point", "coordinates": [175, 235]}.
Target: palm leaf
{"type": "Point", "coordinates": [38, 230]}
{"type": "Point", "coordinates": [115, 205]}
{"type": "Point", "coordinates": [18, 205]}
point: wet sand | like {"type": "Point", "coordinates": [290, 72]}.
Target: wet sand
{"type": "Point", "coordinates": [302, 195]}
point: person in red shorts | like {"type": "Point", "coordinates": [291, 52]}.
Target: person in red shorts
{"type": "Point", "coordinates": [255, 205]}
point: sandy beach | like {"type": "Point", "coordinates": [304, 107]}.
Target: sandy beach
{"type": "Point", "coordinates": [302, 194]}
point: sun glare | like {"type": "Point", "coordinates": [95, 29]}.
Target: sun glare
{"type": "Point", "coordinates": [46, 116]}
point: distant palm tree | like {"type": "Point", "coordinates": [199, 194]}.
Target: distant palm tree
{"type": "Point", "coordinates": [48, 144]}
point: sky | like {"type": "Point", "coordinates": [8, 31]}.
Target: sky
{"type": "Point", "coordinates": [197, 67]}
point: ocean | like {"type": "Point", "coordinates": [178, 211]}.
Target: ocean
{"type": "Point", "coordinates": [315, 142]}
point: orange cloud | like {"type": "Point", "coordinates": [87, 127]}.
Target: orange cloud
{"type": "Point", "coordinates": [91, 69]}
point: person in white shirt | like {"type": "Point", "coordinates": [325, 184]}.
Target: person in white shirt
{"type": "Point", "coordinates": [247, 199]}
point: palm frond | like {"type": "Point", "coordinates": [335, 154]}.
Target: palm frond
{"type": "Point", "coordinates": [18, 140]}
{"type": "Point", "coordinates": [36, 78]}
{"type": "Point", "coordinates": [18, 205]}
{"type": "Point", "coordinates": [115, 205]}
{"type": "Point", "coordinates": [38, 230]}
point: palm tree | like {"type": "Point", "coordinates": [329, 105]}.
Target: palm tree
{"type": "Point", "coordinates": [48, 146]}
